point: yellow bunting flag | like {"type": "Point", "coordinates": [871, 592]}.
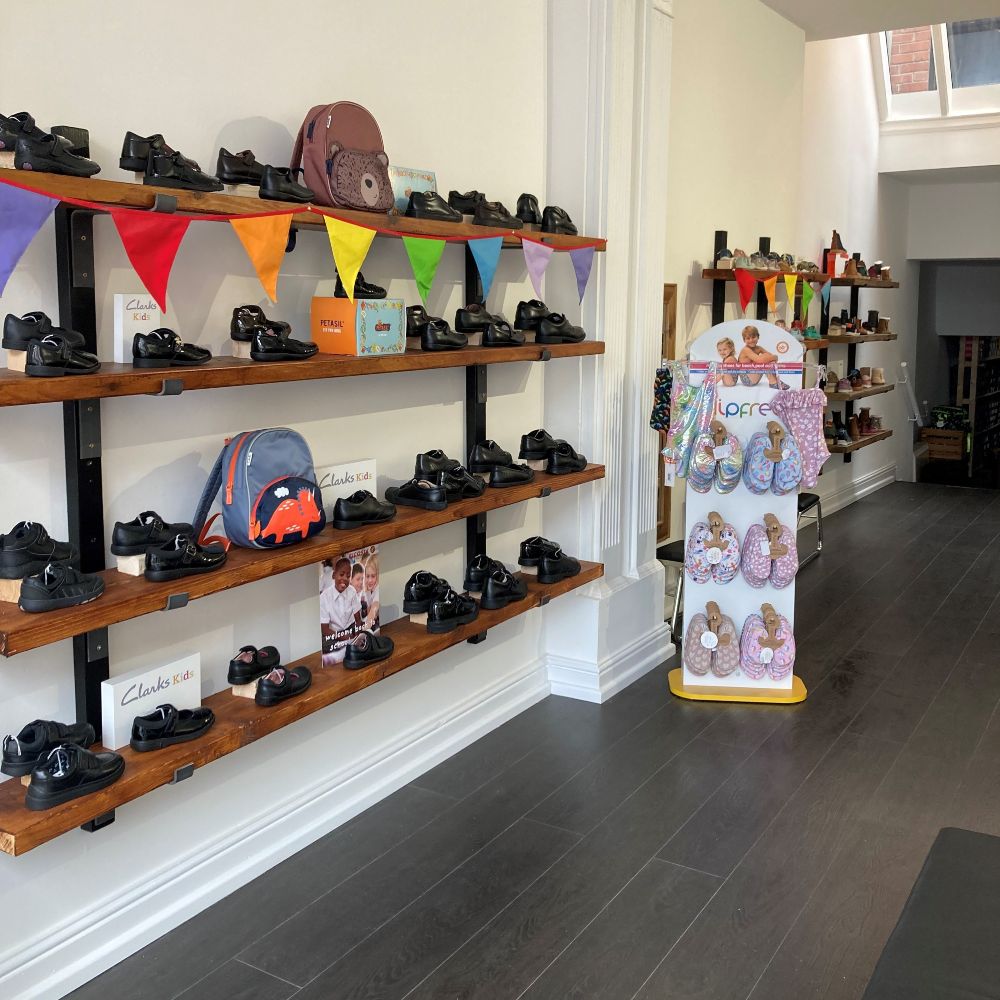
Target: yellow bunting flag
{"type": "Point", "coordinates": [790, 282]}
{"type": "Point", "coordinates": [350, 246]}
{"type": "Point", "coordinates": [770, 285]}
{"type": "Point", "coordinates": [264, 238]}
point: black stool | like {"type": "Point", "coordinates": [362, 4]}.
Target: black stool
{"type": "Point", "coordinates": [807, 503]}
{"type": "Point", "coordinates": [673, 553]}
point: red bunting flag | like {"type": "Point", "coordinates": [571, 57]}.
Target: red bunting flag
{"type": "Point", "coordinates": [746, 281]}
{"type": "Point", "coordinates": [151, 241]}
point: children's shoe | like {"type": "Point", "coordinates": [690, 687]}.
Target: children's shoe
{"type": "Point", "coordinates": [883, 325]}
{"type": "Point", "coordinates": [844, 385]}
{"type": "Point", "coordinates": [878, 376]}
{"type": "Point", "coordinates": [876, 425]}
{"type": "Point", "coordinates": [811, 333]}
{"type": "Point", "coordinates": [854, 428]}
{"type": "Point", "coordinates": [829, 430]}
{"type": "Point", "coordinates": [866, 378]}
{"type": "Point", "coordinates": [724, 262]}
{"type": "Point", "coordinates": [831, 380]}
{"type": "Point", "coordinates": [838, 423]}
{"type": "Point", "coordinates": [855, 377]}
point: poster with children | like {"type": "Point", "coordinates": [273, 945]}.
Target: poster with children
{"type": "Point", "coordinates": [348, 600]}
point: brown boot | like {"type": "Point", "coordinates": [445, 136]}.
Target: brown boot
{"type": "Point", "coordinates": [851, 268]}
{"type": "Point", "coordinates": [883, 325]}
{"type": "Point", "coordinates": [865, 421]}
{"type": "Point", "coordinates": [853, 429]}
{"type": "Point", "coordinates": [835, 243]}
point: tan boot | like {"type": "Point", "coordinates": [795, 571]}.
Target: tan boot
{"type": "Point", "coordinates": [851, 268]}
{"type": "Point", "coordinates": [835, 243]}
{"type": "Point", "coordinates": [853, 429]}
{"type": "Point", "coordinates": [878, 376]}
{"type": "Point", "coordinates": [866, 378]}
{"type": "Point", "coordinates": [883, 325]}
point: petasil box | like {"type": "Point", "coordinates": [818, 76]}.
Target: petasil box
{"type": "Point", "coordinates": [365, 328]}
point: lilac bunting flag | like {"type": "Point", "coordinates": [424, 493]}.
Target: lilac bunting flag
{"type": "Point", "coordinates": [583, 261]}
{"type": "Point", "coordinates": [487, 255]}
{"type": "Point", "coordinates": [536, 256]}
{"type": "Point", "coordinates": [824, 293]}
{"type": "Point", "coordinates": [22, 214]}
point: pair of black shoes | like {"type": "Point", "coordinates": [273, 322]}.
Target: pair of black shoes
{"type": "Point", "coordinates": [51, 350]}
{"type": "Point", "coordinates": [549, 327]}
{"type": "Point", "coordinates": [361, 508]}
{"type": "Point", "coordinates": [548, 558]}
{"type": "Point", "coordinates": [430, 205]}
{"type": "Point", "coordinates": [483, 212]}
{"type": "Point", "coordinates": [559, 456]}
{"type": "Point", "coordinates": [552, 220]}
{"type": "Point", "coordinates": [46, 152]}
{"type": "Point", "coordinates": [269, 339]}
{"type": "Point", "coordinates": [37, 740]}
{"type": "Point", "coordinates": [434, 332]}
{"type": "Point", "coordinates": [27, 549]}
{"type": "Point", "coordinates": [362, 289]}
{"type": "Point", "coordinates": [167, 726]}
{"type": "Point", "coordinates": [495, 330]}
{"type": "Point", "coordinates": [488, 457]}
{"type": "Point", "coordinates": [274, 183]}
{"type": "Point", "coordinates": [449, 474]}
{"type": "Point", "coordinates": [147, 530]}
{"type": "Point", "coordinates": [70, 771]}
{"type": "Point", "coordinates": [275, 683]}
{"type": "Point", "coordinates": [162, 348]}
{"type": "Point", "coordinates": [428, 594]}
{"type": "Point", "coordinates": [494, 584]}
{"type": "Point", "coordinates": [164, 166]}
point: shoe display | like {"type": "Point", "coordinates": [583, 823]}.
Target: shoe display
{"type": "Point", "coordinates": [855, 378]}
{"type": "Point", "coordinates": [19, 332]}
{"type": "Point", "coordinates": [239, 168]}
{"type": "Point", "coordinates": [436, 335]}
{"type": "Point", "coordinates": [27, 549]}
{"type": "Point", "coordinates": [246, 319]}
{"type": "Point", "coordinates": [878, 376]}
{"type": "Point", "coordinates": [844, 385]}
{"type": "Point", "coordinates": [530, 314]}
{"type": "Point", "coordinates": [556, 329]}
{"type": "Point", "coordinates": [536, 445]}
{"type": "Point", "coordinates": [430, 205]}
{"type": "Point", "coordinates": [527, 210]}
{"type": "Point", "coordinates": [37, 739]}
{"type": "Point", "coordinates": [865, 421]}
{"type": "Point", "coordinates": [487, 454]}
{"type": "Point", "coordinates": [493, 213]}
{"type": "Point", "coordinates": [556, 566]}
{"type": "Point", "coordinates": [136, 149]}
{"type": "Point", "coordinates": [172, 170]}
{"type": "Point", "coordinates": [182, 556]}
{"type": "Point", "coordinates": [479, 568]}
{"type": "Point", "coordinates": [448, 611]}
{"type": "Point", "coordinates": [556, 220]}
{"type": "Point", "coordinates": [251, 663]}
{"type": "Point", "coordinates": [148, 530]}
{"type": "Point", "coordinates": [281, 684]}
{"type": "Point", "coordinates": [282, 184]}
{"type": "Point", "coordinates": [501, 334]}
{"type": "Point", "coordinates": [422, 588]}
{"type": "Point", "coordinates": [366, 649]}
{"type": "Point", "coordinates": [502, 588]}
{"type": "Point", "coordinates": [418, 493]}
{"type": "Point", "coordinates": [70, 772]}
{"type": "Point", "coordinates": [866, 378]}
{"type": "Point", "coordinates": [882, 327]}
{"type": "Point", "coordinates": [57, 586]}
{"type": "Point", "coordinates": [853, 428]}
{"type": "Point", "coordinates": [474, 318]}
{"type": "Point", "coordinates": [51, 155]}
{"type": "Point", "coordinates": [460, 484]}
{"type": "Point", "coordinates": [510, 475]}
{"type": "Point", "coordinates": [168, 725]}
{"type": "Point", "coordinates": [270, 346]}
{"type": "Point", "coordinates": [362, 289]}
{"type": "Point", "coordinates": [8, 134]}
{"type": "Point", "coordinates": [876, 425]}
{"type": "Point", "coordinates": [416, 319]}
{"type": "Point", "coordinates": [534, 548]}
{"type": "Point", "coordinates": [360, 508]}
{"type": "Point", "coordinates": [430, 463]}
{"type": "Point", "coordinates": [831, 381]}
{"type": "Point", "coordinates": [563, 458]}
{"type": "Point", "coordinates": [724, 261]}
{"type": "Point", "coordinates": [52, 356]}
{"type": "Point", "coordinates": [162, 348]}
{"type": "Point", "coordinates": [465, 203]}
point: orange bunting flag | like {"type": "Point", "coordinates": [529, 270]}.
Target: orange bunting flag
{"type": "Point", "coordinates": [746, 281]}
{"type": "Point", "coordinates": [770, 287]}
{"type": "Point", "coordinates": [264, 238]}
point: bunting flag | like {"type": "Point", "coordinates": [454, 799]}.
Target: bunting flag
{"type": "Point", "coordinates": [349, 245]}
{"type": "Point", "coordinates": [791, 280]}
{"type": "Point", "coordinates": [425, 255]}
{"type": "Point", "coordinates": [264, 238]}
{"type": "Point", "coordinates": [824, 293]}
{"type": "Point", "coordinates": [583, 262]}
{"type": "Point", "coordinates": [746, 281]}
{"type": "Point", "coordinates": [151, 241]}
{"type": "Point", "coordinates": [536, 257]}
{"type": "Point", "coordinates": [770, 288]}
{"type": "Point", "coordinates": [486, 253]}
{"type": "Point", "coordinates": [22, 214]}
{"type": "Point", "coordinates": [807, 297]}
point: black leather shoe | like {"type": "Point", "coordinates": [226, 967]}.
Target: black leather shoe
{"type": "Point", "coordinates": [182, 556]}
{"type": "Point", "coordinates": [136, 149]}
{"type": "Point", "coordinates": [556, 329]}
{"type": "Point", "coordinates": [534, 548]}
{"type": "Point", "coordinates": [493, 213]}
{"type": "Point", "coordinates": [438, 336]}
{"type": "Point", "coordinates": [148, 530]}
{"type": "Point", "coordinates": [270, 346]}
{"type": "Point", "coordinates": [8, 135]}
{"type": "Point", "coordinates": [59, 586]}
{"type": "Point", "coordinates": [239, 168]}
{"type": "Point", "coordinates": [22, 752]}
{"type": "Point", "coordinates": [27, 549]}
{"type": "Point", "coordinates": [430, 205]}
{"type": "Point", "coordinates": [362, 289]}
{"type": "Point", "coordinates": [502, 588]}
{"type": "Point", "coordinates": [556, 566]}
{"type": "Point", "coordinates": [536, 445]}
{"type": "Point", "coordinates": [281, 684]}
{"type": "Point", "coordinates": [465, 203]}
{"type": "Point", "coordinates": [417, 318]}
{"type": "Point", "coordinates": [555, 220]}
{"type": "Point", "coordinates": [485, 455]}
{"type": "Point", "coordinates": [172, 170]}
{"type": "Point", "coordinates": [51, 155]}
{"type": "Point", "coordinates": [362, 507]}
{"type": "Point", "coordinates": [460, 484]}
{"type": "Point", "coordinates": [282, 184]}
{"type": "Point", "coordinates": [501, 334]}
{"type": "Point", "coordinates": [18, 332]}
{"type": "Point", "coordinates": [70, 772]}
{"type": "Point", "coordinates": [530, 314]}
{"type": "Point", "coordinates": [418, 493]}
{"type": "Point", "coordinates": [169, 725]}
{"type": "Point", "coordinates": [511, 475]}
{"type": "Point", "coordinates": [52, 356]}
{"type": "Point", "coordinates": [162, 348]}
{"type": "Point", "coordinates": [247, 318]}
{"type": "Point", "coordinates": [429, 463]}
{"type": "Point", "coordinates": [478, 570]}
{"type": "Point", "coordinates": [422, 588]}
{"type": "Point", "coordinates": [473, 318]}
{"type": "Point", "coordinates": [366, 649]}
{"type": "Point", "coordinates": [564, 458]}
{"type": "Point", "coordinates": [449, 611]}
{"type": "Point", "coordinates": [527, 209]}
{"type": "Point", "coordinates": [251, 663]}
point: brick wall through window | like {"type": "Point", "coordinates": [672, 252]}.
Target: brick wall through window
{"type": "Point", "coordinates": [911, 62]}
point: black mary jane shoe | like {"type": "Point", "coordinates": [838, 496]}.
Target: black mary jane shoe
{"type": "Point", "coordinates": [239, 168]}
{"type": "Point", "coordinates": [52, 356]}
{"type": "Point", "coordinates": [530, 314]}
{"type": "Point", "coordinates": [70, 772]}
{"type": "Point", "coordinates": [366, 649]}
{"type": "Point", "coordinates": [430, 205]}
{"type": "Point", "coordinates": [132, 538]}
{"type": "Point", "coordinates": [172, 170]}
{"type": "Point", "coordinates": [556, 566]}
{"type": "Point", "coordinates": [251, 663]}
{"type": "Point", "coordinates": [502, 588]}
{"type": "Point", "coordinates": [449, 611]}
{"type": "Point", "coordinates": [281, 184]}
{"type": "Point", "coordinates": [563, 459]}
{"type": "Point", "coordinates": [417, 318]}
{"type": "Point", "coordinates": [281, 684]}
{"type": "Point", "coordinates": [27, 549]}
{"type": "Point", "coordinates": [136, 149]}
{"type": "Point", "coordinates": [246, 319]}
{"type": "Point", "coordinates": [465, 203]}
{"type": "Point", "coordinates": [22, 752]}
{"type": "Point", "coordinates": [536, 445]}
{"type": "Point", "coordinates": [422, 588]}
{"type": "Point", "coordinates": [479, 568]}
{"type": "Point", "coordinates": [487, 454]}
{"type": "Point", "coordinates": [20, 331]}
{"type": "Point", "coordinates": [182, 556]}
{"type": "Point", "coordinates": [493, 213]}
{"type": "Point", "coordinates": [360, 508]}
{"type": "Point", "coordinates": [51, 155]}
{"type": "Point", "coordinates": [527, 210]}
{"type": "Point", "coordinates": [59, 585]}
{"type": "Point", "coordinates": [168, 725]}
{"type": "Point", "coordinates": [418, 493]}
{"type": "Point", "coordinates": [501, 334]}
{"type": "Point", "coordinates": [429, 463]}
{"type": "Point", "coordinates": [438, 336]}
{"type": "Point", "coordinates": [556, 329]}
{"type": "Point", "coordinates": [270, 346]}
{"type": "Point", "coordinates": [460, 484]}
{"type": "Point", "coordinates": [510, 475]}
{"type": "Point", "coordinates": [162, 348]}
{"type": "Point", "coordinates": [533, 549]}
{"type": "Point", "coordinates": [362, 289]}
{"type": "Point", "coordinates": [556, 220]}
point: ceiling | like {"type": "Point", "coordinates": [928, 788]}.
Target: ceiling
{"type": "Point", "coordinates": [840, 18]}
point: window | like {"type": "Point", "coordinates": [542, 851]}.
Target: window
{"type": "Point", "coordinates": [911, 60]}
{"type": "Point", "coordinates": [974, 47]}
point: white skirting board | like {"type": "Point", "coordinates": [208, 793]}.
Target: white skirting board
{"type": "Point", "coordinates": [57, 963]}
{"type": "Point", "coordinates": [839, 499]}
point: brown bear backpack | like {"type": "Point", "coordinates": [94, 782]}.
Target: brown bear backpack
{"type": "Point", "coordinates": [340, 150]}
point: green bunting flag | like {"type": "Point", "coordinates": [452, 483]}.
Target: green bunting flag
{"type": "Point", "coordinates": [807, 297]}
{"type": "Point", "coordinates": [425, 255]}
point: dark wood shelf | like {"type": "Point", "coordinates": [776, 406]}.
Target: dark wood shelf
{"type": "Point", "coordinates": [239, 721]}
{"type": "Point", "coordinates": [875, 390]}
{"type": "Point", "coordinates": [726, 274]}
{"type": "Point", "coordinates": [815, 345]}
{"type": "Point", "coordinates": [125, 194]}
{"type": "Point", "coordinates": [126, 597]}
{"type": "Point", "coordinates": [124, 380]}
{"type": "Point", "coordinates": [859, 338]}
{"type": "Point", "coordinates": [844, 449]}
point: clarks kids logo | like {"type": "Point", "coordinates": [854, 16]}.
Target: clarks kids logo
{"type": "Point", "coordinates": [138, 691]}
{"type": "Point", "coordinates": [741, 409]}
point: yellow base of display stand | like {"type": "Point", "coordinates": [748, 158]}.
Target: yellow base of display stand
{"type": "Point", "coordinates": [753, 695]}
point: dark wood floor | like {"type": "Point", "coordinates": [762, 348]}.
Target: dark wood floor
{"type": "Point", "coordinates": [653, 848]}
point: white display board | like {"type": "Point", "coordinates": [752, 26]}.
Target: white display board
{"type": "Point", "coordinates": [743, 409]}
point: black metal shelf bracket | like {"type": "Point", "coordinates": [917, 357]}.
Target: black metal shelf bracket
{"type": "Point", "coordinates": [182, 774]}
{"type": "Point", "coordinates": [170, 387]}
{"type": "Point", "coordinates": [99, 822]}
{"type": "Point", "coordinates": [474, 640]}
{"type": "Point", "coordinates": [165, 204]}
{"type": "Point", "coordinates": [475, 417]}
{"type": "Point", "coordinates": [175, 601]}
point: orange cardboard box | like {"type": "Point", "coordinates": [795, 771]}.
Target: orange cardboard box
{"type": "Point", "coordinates": [333, 325]}
{"type": "Point", "coordinates": [366, 328]}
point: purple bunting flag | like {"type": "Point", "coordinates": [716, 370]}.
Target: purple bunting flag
{"type": "Point", "coordinates": [22, 214]}
{"type": "Point", "coordinates": [536, 257]}
{"type": "Point", "coordinates": [583, 261]}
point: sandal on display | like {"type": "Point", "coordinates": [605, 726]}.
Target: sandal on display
{"type": "Point", "coordinates": [168, 725]}
{"type": "Point", "coordinates": [281, 684]}
{"type": "Point", "coordinates": [251, 663]}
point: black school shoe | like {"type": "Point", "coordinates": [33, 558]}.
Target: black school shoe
{"type": "Point", "coordinates": [556, 220]}
{"type": "Point", "coordinates": [438, 336]}
{"type": "Point", "coordinates": [19, 332]}
{"type": "Point", "coordinates": [281, 684]}
{"type": "Point", "coordinates": [430, 205]}
{"type": "Point", "coordinates": [52, 356]}
{"type": "Point", "coordinates": [172, 170]}
{"type": "Point", "coordinates": [478, 570]}
{"type": "Point", "coordinates": [22, 752]}
{"type": "Point", "coordinates": [132, 538]}
{"type": "Point", "coordinates": [556, 329]}
{"type": "Point", "coordinates": [473, 318]}
{"type": "Point", "coordinates": [563, 458]}
{"type": "Point", "coordinates": [465, 203]}
{"type": "Point", "coordinates": [429, 463]}
{"type": "Point", "coordinates": [168, 725]}
{"type": "Point", "coordinates": [487, 454]}
{"type": "Point", "coordinates": [530, 314]}
{"type": "Point", "coordinates": [239, 168]}
{"type": "Point", "coordinates": [162, 348]}
{"type": "Point", "coordinates": [493, 213]}
{"type": "Point", "coordinates": [281, 184]}
{"type": "Point", "coordinates": [362, 289]}
{"type": "Point", "coordinates": [449, 611]}
{"type": "Point", "coordinates": [251, 663]}
{"type": "Point", "coordinates": [510, 475]}
{"type": "Point", "coordinates": [556, 566]}
{"type": "Point", "coordinates": [246, 319]}
{"type": "Point", "coordinates": [269, 346]}
{"type": "Point", "coordinates": [27, 549]}
{"type": "Point", "coordinates": [527, 209]}
{"type": "Point", "coordinates": [422, 588]}
{"type": "Point", "coordinates": [460, 484]}
{"type": "Point", "coordinates": [51, 155]}
{"type": "Point", "coordinates": [136, 149]}
{"type": "Point", "coordinates": [417, 318]}
{"type": "Point", "coordinates": [70, 772]}
{"type": "Point", "coordinates": [536, 445]}
{"type": "Point", "coordinates": [534, 548]}
{"type": "Point", "coordinates": [59, 586]}
{"type": "Point", "coordinates": [502, 588]}
{"type": "Point", "coordinates": [501, 334]}
{"type": "Point", "coordinates": [367, 649]}
{"type": "Point", "coordinates": [362, 507]}
{"type": "Point", "coordinates": [418, 493]}
{"type": "Point", "coordinates": [182, 556]}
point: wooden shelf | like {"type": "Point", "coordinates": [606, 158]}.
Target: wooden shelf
{"type": "Point", "coordinates": [726, 274]}
{"type": "Point", "coordinates": [239, 721]}
{"type": "Point", "coordinates": [843, 449]}
{"type": "Point", "coordinates": [125, 194]}
{"type": "Point", "coordinates": [127, 597]}
{"type": "Point", "coordinates": [875, 390]}
{"type": "Point", "coordinates": [815, 345]}
{"type": "Point", "coordinates": [856, 338]}
{"type": "Point", "coordinates": [124, 380]}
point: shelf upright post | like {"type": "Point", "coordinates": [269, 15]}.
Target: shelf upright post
{"type": "Point", "coordinates": [764, 246]}
{"type": "Point", "coordinates": [718, 287]}
{"type": "Point", "coordinates": [852, 351]}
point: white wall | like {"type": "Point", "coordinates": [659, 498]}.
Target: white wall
{"type": "Point", "coordinates": [958, 220]}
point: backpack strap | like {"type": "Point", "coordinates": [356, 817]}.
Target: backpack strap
{"type": "Point", "coordinates": [310, 122]}
{"type": "Point", "coordinates": [209, 493]}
